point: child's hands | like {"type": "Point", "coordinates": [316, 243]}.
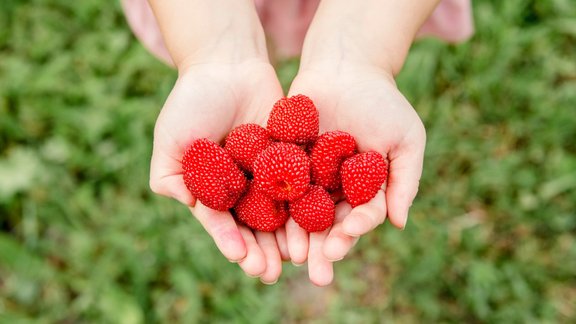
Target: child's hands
{"type": "Point", "coordinates": [207, 101]}
{"type": "Point", "coordinates": [343, 46]}
{"type": "Point", "coordinates": [363, 101]}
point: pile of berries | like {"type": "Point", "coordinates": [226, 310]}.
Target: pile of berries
{"type": "Point", "coordinates": [266, 175]}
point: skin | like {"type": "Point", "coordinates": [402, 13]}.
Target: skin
{"type": "Point", "coordinates": [351, 54]}
{"type": "Point", "coordinates": [225, 79]}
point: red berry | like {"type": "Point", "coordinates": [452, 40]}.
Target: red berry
{"type": "Point", "coordinates": [327, 155]}
{"type": "Point", "coordinates": [211, 175]}
{"type": "Point", "coordinates": [282, 171]}
{"type": "Point", "coordinates": [314, 212]}
{"type": "Point", "coordinates": [245, 142]}
{"type": "Point", "coordinates": [294, 120]}
{"type": "Point", "coordinates": [260, 212]}
{"type": "Point", "coordinates": [362, 176]}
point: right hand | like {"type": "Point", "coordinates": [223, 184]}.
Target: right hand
{"type": "Point", "coordinates": [207, 101]}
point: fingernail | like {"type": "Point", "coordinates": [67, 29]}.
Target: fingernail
{"type": "Point", "coordinates": [236, 261]}
{"type": "Point", "coordinates": [268, 283]}
{"type": "Point", "coordinates": [404, 224]}
{"type": "Point", "coordinates": [297, 264]}
{"type": "Point", "coordinates": [335, 260]}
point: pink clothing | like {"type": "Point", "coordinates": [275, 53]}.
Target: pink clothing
{"type": "Point", "coordinates": [451, 21]}
{"type": "Point", "coordinates": [286, 22]}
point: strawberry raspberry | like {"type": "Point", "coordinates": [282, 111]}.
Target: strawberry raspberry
{"type": "Point", "coordinates": [282, 171]}
{"type": "Point", "coordinates": [362, 176]}
{"type": "Point", "coordinates": [315, 211]}
{"type": "Point", "coordinates": [294, 120]}
{"type": "Point", "coordinates": [260, 212]}
{"type": "Point", "coordinates": [211, 175]}
{"type": "Point", "coordinates": [245, 142]}
{"type": "Point", "coordinates": [327, 155]}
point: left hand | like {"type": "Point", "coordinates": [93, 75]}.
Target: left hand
{"type": "Point", "coordinates": [365, 102]}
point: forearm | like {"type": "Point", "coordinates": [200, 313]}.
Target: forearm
{"type": "Point", "coordinates": [369, 32]}
{"type": "Point", "coordinates": [210, 30]}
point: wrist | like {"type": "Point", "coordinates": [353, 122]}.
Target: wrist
{"type": "Point", "coordinates": [341, 76]}
{"type": "Point", "coordinates": [344, 63]}
{"type": "Point", "coordinates": [375, 33]}
{"type": "Point", "coordinates": [208, 31]}
{"type": "Point", "coordinates": [230, 50]}
{"type": "Point", "coordinates": [344, 49]}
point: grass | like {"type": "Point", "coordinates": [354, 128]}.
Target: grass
{"type": "Point", "coordinates": [491, 236]}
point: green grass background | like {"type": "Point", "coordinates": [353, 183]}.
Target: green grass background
{"type": "Point", "coordinates": [491, 236]}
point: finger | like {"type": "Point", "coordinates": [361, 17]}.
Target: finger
{"type": "Point", "coordinates": [404, 177]}
{"type": "Point", "coordinates": [254, 264]}
{"type": "Point", "coordinates": [166, 178]}
{"type": "Point", "coordinates": [338, 243]}
{"type": "Point", "coordinates": [320, 270]}
{"type": "Point", "coordinates": [267, 243]}
{"type": "Point", "coordinates": [297, 240]}
{"type": "Point", "coordinates": [223, 230]}
{"type": "Point", "coordinates": [282, 242]}
{"type": "Point", "coordinates": [366, 217]}
{"type": "Point", "coordinates": [173, 186]}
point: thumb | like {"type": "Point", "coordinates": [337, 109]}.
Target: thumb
{"type": "Point", "coordinates": [404, 176]}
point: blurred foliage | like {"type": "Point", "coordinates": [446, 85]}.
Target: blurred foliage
{"type": "Point", "coordinates": [491, 236]}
